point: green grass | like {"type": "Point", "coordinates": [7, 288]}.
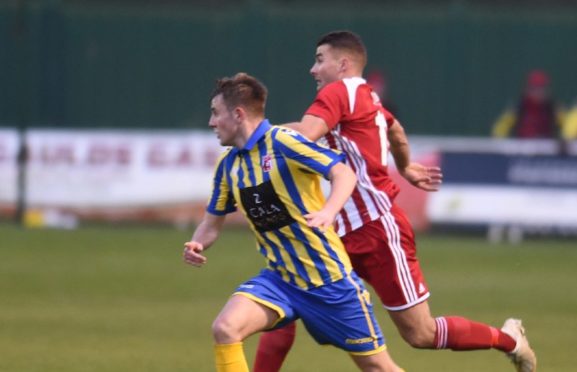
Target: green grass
{"type": "Point", "coordinates": [120, 299]}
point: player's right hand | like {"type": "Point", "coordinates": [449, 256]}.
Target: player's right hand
{"type": "Point", "coordinates": [423, 177]}
{"type": "Point", "coordinates": [321, 220]}
{"type": "Point", "coordinates": [192, 254]}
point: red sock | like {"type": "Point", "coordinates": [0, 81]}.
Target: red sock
{"type": "Point", "coordinates": [458, 333]}
{"type": "Point", "coordinates": [273, 348]}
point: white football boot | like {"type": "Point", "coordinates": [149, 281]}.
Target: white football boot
{"type": "Point", "coordinates": [523, 357]}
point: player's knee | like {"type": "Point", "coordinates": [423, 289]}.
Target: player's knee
{"type": "Point", "coordinates": [224, 331]}
{"type": "Point", "coordinates": [381, 362]}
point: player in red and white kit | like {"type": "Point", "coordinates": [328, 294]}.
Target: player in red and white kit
{"type": "Point", "coordinates": [377, 235]}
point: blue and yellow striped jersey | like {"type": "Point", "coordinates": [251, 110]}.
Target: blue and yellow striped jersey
{"type": "Point", "coordinates": [275, 180]}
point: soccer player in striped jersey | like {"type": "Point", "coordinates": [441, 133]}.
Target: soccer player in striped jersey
{"type": "Point", "coordinates": [377, 235]}
{"type": "Point", "coordinates": [273, 175]}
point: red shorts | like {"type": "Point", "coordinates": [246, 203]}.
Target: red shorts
{"type": "Point", "coordinates": [384, 254]}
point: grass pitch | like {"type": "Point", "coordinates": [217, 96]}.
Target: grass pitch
{"type": "Point", "coordinates": [120, 299]}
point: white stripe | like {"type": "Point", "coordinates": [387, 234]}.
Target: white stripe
{"type": "Point", "coordinates": [405, 278]}
{"type": "Point", "coordinates": [396, 258]}
{"type": "Point", "coordinates": [363, 174]}
{"type": "Point", "coordinates": [349, 206]}
{"type": "Point", "coordinates": [352, 85]}
{"type": "Point", "coordinates": [365, 185]}
{"type": "Point", "coordinates": [367, 181]}
{"type": "Point", "coordinates": [445, 333]}
{"type": "Point", "coordinates": [382, 207]}
{"type": "Point", "coordinates": [408, 305]}
{"type": "Point", "coordinates": [377, 206]}
{"type": "Point", "coordinates": [407, 270]}
{"type": "Point", "coordinates": [341, 225]}
{"type": "Point", "coordinates": [437, 333]}
{"type": "Point", "coordinates": [442, 333]}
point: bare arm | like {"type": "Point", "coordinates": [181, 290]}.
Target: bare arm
{"type": "Point", "coordinates": [312, 127]}
{"type": "Point", "coordinates": [205, 234]}
{"type": "Point", "coordinates": [418, 175]}
{"type": "Point", "coordinates": [343, 181]}
{"type": "Point", "coordinates": [399, 145]}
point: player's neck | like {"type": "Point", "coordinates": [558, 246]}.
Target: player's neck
{"type": "Point", "coordinates": [247, 130]}
{"type": "Point", "coordinates": [350, 74]}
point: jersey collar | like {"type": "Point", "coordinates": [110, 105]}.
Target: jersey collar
{"type": "Point", "coordinates": [355, 79]}
{"type": "Point", "coordinates": [259, 132]}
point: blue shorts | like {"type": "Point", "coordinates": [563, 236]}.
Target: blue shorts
{"type": "Point", "coordinates": [339, 313]}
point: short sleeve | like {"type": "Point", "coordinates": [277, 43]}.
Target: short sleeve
{"type": "Point", "coordinates": [330, 104]}
{"type": "Point", "coordinates": [389, 118]}
{"type": "Point", "coordinates": [221, 201]}
{"type": "Point", "coordinates": [311, 155]}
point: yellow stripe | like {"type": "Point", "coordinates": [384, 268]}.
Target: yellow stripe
{"type": "Point", "coordinates": [313, 200]}
{"type": "Point", "coordinates": [336, 243]}
{"type": "Point", "coordinates": [265, 303]}
{"type": "Point", "coordinates": [296, 145]}
{"type": "Point", "coordinates": [278, 185]}
{"type": "Point", "coordinates": [269, 252]}
{"type": "Point", "coordinates": [293, 209]}
{"type": "Point", "coordinates": [284, 195]}
{"type": "Point", "coordinates": [221, 198]}
{"type": "Point", "coordinates": [303, 255]}
{"type": "Point", "coordinates": [246, 178]}
{"type": "Point", "coordinates": [222, 188]}
{"type": "Point", "coordinates": [257, 166]}
{"type": "Point", "coordinates": [270, 257]}
{"type": "Point", "coordinates": [370, 352]}
{"type": "Point", "coordinates": [234, 180]}
{"type": "Point", "coordinates": [286, 258]}
{"type": "Point", "coordinates": [284, 273]}
{"type": "Point", "coordinates": [311, 195]}
{"type": "Point", "coordinates": [365, 311]}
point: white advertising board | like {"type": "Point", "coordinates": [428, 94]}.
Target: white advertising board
{"type": "Point", "coordinates": [87, 169]}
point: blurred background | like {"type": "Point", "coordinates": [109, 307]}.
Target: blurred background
{"type": "Point", "coordinates": [106, 162]}
{"type": "Point", "coordinates": [104, 103]}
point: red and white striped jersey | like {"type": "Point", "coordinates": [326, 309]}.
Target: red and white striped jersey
{"type": "Point", "coordinates": [358, 126]}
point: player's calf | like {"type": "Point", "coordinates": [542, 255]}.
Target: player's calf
{"type": "Point", "coordinates": [416, 326]}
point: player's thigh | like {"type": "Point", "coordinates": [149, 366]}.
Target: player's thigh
{"type": "Point", "coordinates": [383, 253]}
{"type": "Point", "coordinates": [241, 317]}
{"type": "Point", "coordinates": [381, 362]}
{"type": "Point", "coordinates": [341, 314]}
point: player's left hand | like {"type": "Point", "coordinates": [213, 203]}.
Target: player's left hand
{"type": "Point", "coordinates": [322, 219]}
{"type": "Point", "coordinates": [422, 177]}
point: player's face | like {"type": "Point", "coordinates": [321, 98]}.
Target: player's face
{"type": "Point", "coordinates": [327, 67]}
{"type": "Point", "coordinates": [223, 122]}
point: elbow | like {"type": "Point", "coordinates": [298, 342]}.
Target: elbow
{"type": "Point", "coordinates": [351, 176]}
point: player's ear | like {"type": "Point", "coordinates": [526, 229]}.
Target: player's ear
{"type": "Point", "coordinates": [238, 113]}
{"type": "Point", "coordinates": [344, 64]}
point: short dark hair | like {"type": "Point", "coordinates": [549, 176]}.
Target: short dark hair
{"type": "Point", "coordinates": [347, 41]}
{"type": "Point", "coordinates": [242, 90]}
